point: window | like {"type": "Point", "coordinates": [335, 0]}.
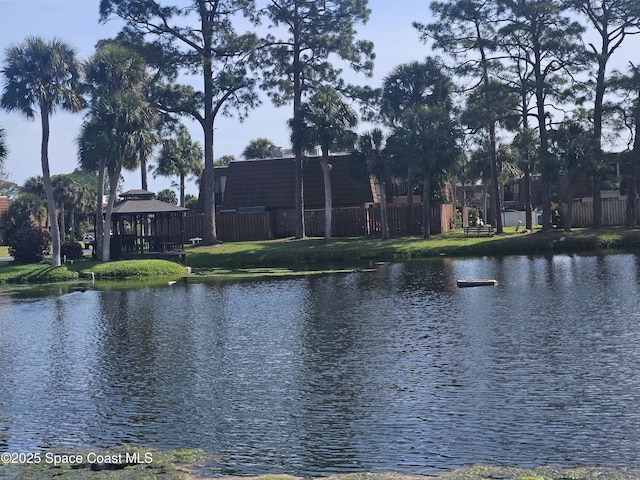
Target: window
{"type": "Point", "coordinates": [512, 193]}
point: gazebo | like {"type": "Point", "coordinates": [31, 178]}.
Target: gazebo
{"type": "Point", "coordinates": [144, 227]}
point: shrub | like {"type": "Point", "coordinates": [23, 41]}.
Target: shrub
{"type": "Point", "coordinates": [72, 250]}
{"type": "Point", "coordinates": [138, 268]}
{"type": "Point", "coordinates": [28, 244]}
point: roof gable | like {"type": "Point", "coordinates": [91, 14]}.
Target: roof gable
{"type": "Point", "coordinates": [271, 183]}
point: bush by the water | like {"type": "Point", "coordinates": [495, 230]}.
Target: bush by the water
{"type": "Point", "coordinates": [28, 244]}
{"type": "Point", "coordinates": [137, 268]}
{"type": "Point", "coordinates": [72, 250]}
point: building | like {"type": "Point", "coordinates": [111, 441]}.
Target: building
{"type": "Point", "coordinates": [4, 219]}
{"type": "Point", "coordinates": [581, 191]}
{"type": "Point", "coordinates": [144, 227]}
{"type": "Point", "coordinates": [261, 193]}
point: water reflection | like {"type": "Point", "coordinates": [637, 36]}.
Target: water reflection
{"type": "Point", "coordinates": [390, 369]}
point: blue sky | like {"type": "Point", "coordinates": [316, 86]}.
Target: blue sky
{"type": "Point", "coordinates": [76, 22]}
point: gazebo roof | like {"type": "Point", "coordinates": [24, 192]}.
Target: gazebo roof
{"type": "Point", "coordinates": [142, 201]}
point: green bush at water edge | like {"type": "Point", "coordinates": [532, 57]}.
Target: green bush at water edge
{"type": "Point", "coordinates": [136, 268]}
{"type": "Point", "coordinates": [44, 273]}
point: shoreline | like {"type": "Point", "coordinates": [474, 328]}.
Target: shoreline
{"type": "Point", "coordinates": [289, 257]}
{"type": "Point", "coordinates": [164, 470]}
{"type": "Point", "coordinates": [139, 463]}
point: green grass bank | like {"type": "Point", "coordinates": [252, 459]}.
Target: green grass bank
{"type": "Point", "coordinates": [291, 257]}
{"type": "Point", "coordinates": [88, 268]}
{"type": "Point", "coordinates": [299, 254]}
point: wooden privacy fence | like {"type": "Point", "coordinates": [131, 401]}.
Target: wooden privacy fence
{"type": "Point", "coordinates": [233, 227]}
{"type": "Point", "coordinates": [345, 222]}
{"type": "Point", "coordinates": [614, 212]}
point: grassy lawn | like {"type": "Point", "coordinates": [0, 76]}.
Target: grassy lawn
{"type": "Point", "coordinates": [290, 257]}
{"type": "Point", "coordinates": [43, 272]}
{"type": "Point", "coordinates": [301, 253]}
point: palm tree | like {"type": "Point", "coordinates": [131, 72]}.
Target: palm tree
{"type": "Point", "coordinates": [117, 130]}
{"type": "Point", "coordinates": [90, 153]}
{"type": "Point", "coordinates": [411, 85]}
{"type": "Point", "coordinates": [258, 148]}
{"type": "Point", "coordinates": [428, 140]}
{"type": "Point", "coordinates": [43, 75]}
{"type": "Point", "coordinates": [327, 122]}
{"type": "Point", "coordinates": [25, 208]}
{"type": "Point", "coordinates": [84, 199]}
{"type": "Point", "coordinates": [34, 188]}
{"type": "Point", "coordinates": [224, 160]}
{"type": "Point", "coordinates": [147, 140]}
{"type": "Point", "coordinates": [571, 144]}
{"type": "Point", "coordinates": [488, 105]}
{"type": "Point", "coordinates": [113, 131]}
{"type": "Point", "coordinates": [525, 147]}
{"type": "Point", "coordinates": [71, 195]}
{"type": "Point", "coordinates": [35, 185]}
{"type": "Point", "coordinates": [65, 190]}
{"type": "Point", "coordinates": [370, 152]}
{"type": "Point", "coordinates": [180, 156]}
{"type": "Point", "coordinates": [167, 195]}
{"type": "Point", "coordinates": [3, 147]}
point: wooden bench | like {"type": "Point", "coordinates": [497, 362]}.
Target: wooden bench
{"type": "Point", "coordinates": [479, 231]}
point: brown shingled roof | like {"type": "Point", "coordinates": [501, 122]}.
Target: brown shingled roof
{"type": "Point", "coordinates": [142, 201]}
{"type": "Point", "coordinates": [271, 183]}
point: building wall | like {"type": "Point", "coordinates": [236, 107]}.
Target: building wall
{"type": "Point", "coordinates": [4, 219]}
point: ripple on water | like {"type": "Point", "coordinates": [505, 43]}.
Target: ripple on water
{"type": "Point", "coordinates": [390, 370]}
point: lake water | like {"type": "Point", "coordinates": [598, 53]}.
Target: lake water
{"type": "Point", "coordinates": [388, 369]}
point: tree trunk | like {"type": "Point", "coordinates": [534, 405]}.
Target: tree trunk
{"type": "Point", "coordinates": [597, 201]}
{"type": "Point", "coordinates": [99, 226]}
{"type": "Point", "coordinates": [543, 153]}
{"type": "Point", "coordinates": [63, 224]}
{"type": "Point", "coordinates": [299, 196]}
{"type": "Point", "coordinates": [426, 205]}
{"type": "Point", "coordinates": [114, 177]}
{"type": "Point", "coordinates": [527, 200]}
{"type": "Point", "coordinates": [631, 217]}
{"type": "Point", "coordinates": [568, 210]}
{"type": "Point", "coordinates": [209, 234]}
{"type": "Point", "coordinates": [297, 113]}
{"type": "Point", "coordinates": [383, 210]}
{"type": "Point", "coordinates": [48, 188]}
{"type": "Point", "coordinates": [328, 201]}
{"type": "Point", "coordinates": [632, 188]}
{"type": "Point", "coordinates": [182, 190]}
{"type": "Point", "coordinates": [409, 201]}
{"type": "Point", "coordinates": [72, 221]}
{"type": "Point", "coordinates": [143, 173]}
{"type": "Point", "coordinates": [598, 110]}
{"type": "Point", "coordinates": [546, 204]}
{"type": "Point", "coordinates": [528, 164]}
{"type": "Point", "coordinates": [495, 186]}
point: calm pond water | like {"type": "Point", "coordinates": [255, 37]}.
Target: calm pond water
{"type": "Point", "coordinates": [393, 369]}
